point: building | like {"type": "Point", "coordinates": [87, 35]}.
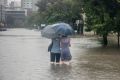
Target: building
{"type": "Point", "coordinates": [12, 4]}
{"type": "Point", "coordinates": [3, 5]}
{"type": "Point", "coordinates": [3, 2]}
{"type": "Point", "coordinates": [2, 13]}
{"type": "Point", "coordinates": [15, 17]}
{"type": "Point", "coordinates": [29, 4]}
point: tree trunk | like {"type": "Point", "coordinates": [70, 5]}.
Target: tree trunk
{"type": "Point", "coordinates": [118, 39]}
{"type": "Point", "coordinates": [78, 29]}
{"type": "Point", "coordinates": [105, 40]}
{"type": "Point", "coordinates": [81, 30]}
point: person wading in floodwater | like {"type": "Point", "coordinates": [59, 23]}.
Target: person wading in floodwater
{"type": "Point", "coordinates": [54, 49]}
{"type": "Point", "coordinates": [65, 51]}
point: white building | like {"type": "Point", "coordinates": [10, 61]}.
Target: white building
{"type": "Point", "coordinates": [3, 2]}
{"type": "Point", "coordinates": [14, 4]}
{"type": "Point", "coordinates": [29, 4]}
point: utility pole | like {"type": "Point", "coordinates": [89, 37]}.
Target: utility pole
{"type": "Point", "coordinates": [1, 12]}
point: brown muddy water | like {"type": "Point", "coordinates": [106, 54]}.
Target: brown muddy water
{"type": "Point", "coordinates": [24, 56]}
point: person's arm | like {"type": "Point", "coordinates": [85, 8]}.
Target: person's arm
{"type": "Point", "coordinates": [69, 42]}
{"type": "Point", "coordinates": [50, 46]}
{"type": "Point", "coordinates": [60, 43]}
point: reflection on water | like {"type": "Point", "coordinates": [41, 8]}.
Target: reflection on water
{"type": "Point", "coordinates": [60, 72]}
{"type": "Point", "coordinates": [98, 63]}
{"type": "Point", "coordinates": [24, 56]}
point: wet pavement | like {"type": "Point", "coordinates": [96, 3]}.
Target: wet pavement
{"type": "Point", "coordinates": [24, 56]}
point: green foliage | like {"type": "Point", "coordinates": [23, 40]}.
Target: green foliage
{"type": "Point", "coordinates": [35, 18]}
{"type": "Point", "coordinates": [59, 10]}
{"type": "Point", "coordinates": [100, 15]}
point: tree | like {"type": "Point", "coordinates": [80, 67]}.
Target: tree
{"type": "Point", "coordinates": [101, 13]}
{"type": "Point", "coordinates": [117, 26]}
{"type": "Point", "coordinates": [60, 10]}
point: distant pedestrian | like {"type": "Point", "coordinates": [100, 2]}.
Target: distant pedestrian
{"type": "Point", "coordinates": [54, 49]}
{"type": "Point", "coordinates": [65, 51]}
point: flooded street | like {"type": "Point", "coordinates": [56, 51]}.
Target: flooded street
{"type": "Point", "coordinates": [24, 56]}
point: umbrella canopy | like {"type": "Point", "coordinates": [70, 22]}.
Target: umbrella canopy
{"type": "Point", "coordinates": [63, 29]}
{"type": "Point", "coordinates": [48, 32]}
{"type": "Point", "coordinates": [55, 30]}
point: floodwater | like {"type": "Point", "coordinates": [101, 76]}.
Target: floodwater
{"type": "Point", "coordinates": [24, 56]}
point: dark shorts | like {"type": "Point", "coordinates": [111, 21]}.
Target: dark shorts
{"type": "Point", "coordinates": [55, 57]}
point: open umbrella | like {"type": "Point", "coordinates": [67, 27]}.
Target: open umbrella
{"type": "Point", "coordinates": [55, 30]}
{"type": "Point", "coordinates": [48, 32]}
{"type": "Point", "coordinates": [63, 29]}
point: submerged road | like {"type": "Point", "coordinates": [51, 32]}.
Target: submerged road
{"type": "Point", "coordinates": [24, 56]}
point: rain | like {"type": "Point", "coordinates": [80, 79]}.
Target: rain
{"type": "Point", "coordinates": [24, 39]}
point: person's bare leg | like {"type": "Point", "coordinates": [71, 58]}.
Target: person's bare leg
{"type": "Point", "coordinates": [52, 62]}
{"type": "Point", "coordinates": [67, 62]}
{"type": "Point", "coordinates": [61, 62]}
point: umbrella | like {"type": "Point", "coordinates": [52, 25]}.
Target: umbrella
{"type": "Point", "coordinates": [63, 29]}
{"type": "Point", "coordinates": [48, 32]}
{"type": "Point", "coordinates": [55, 30]}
